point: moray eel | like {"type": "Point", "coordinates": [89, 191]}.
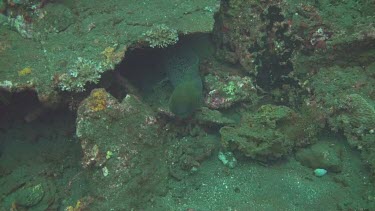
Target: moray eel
{"type": "Point", "coordinates": [182, 66]}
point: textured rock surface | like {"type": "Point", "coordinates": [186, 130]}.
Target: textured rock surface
{"type": "Point", "coordinates": [121, 144]}
{"type": "Point", "coordinates": [60, 39]}
{"type": "Point", "coordinates": [260, 135]}
{"type": "Point", "coordinates": [321, 155]}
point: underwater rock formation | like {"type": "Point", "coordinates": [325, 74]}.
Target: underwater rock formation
{"type": "Point", "coordinates": [60, 40]}
{"type": "Point", "coordinates": [348, 105]}
{"type": "Point", "coordinates": [225, 91]}
{"type": "Point", "coordinates": [123, 148]}
{"type": "Point", "coordinates": [269, 134]}
{"type": "Point", "coordinates": [256, 35]}
{"type": "Point", "coordinates": [322, 155]}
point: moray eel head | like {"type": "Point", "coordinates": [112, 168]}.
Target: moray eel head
{"type": "Point", "coordinates": [186, 98]}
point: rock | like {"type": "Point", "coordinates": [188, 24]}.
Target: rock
{"type": "Point", "coordinates": [29, 196]}
{"type": "Point", "coordinates": [261, 135]}
{"type": "Point", "coordinates": [320, 172]}
{"type": "Point", "coordinates": [321, 155]}
{"type": "Point", "coordinates": [100, 36]}
{"type": "Point", "coordinates": [228, 159]}
{"type": "Point", "coordinates": [129, 130]}
{"type": "Point", "coordinates": [209, 117]}
{"type": "Point", "coordinates": [225, 91]}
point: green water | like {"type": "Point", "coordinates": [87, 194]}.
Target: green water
{"type": "Point", "coordinates": [201, 105]}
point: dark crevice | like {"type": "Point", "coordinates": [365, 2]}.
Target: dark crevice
{"type": "Point", "coordinates": [273, 65]}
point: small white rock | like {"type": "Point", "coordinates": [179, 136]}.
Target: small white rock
{"type": "Point", "coordinates": [320, 172]}
{"type": "Point", "coordinates": [105, 171]}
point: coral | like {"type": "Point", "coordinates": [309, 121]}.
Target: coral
{"type": "Point", "coordinates": [78, 207]}
{"type": "Point", "coordinates": [112, 57]}
{"type": "Point", "coordinates": [81, 72]}
{"type": "Point", "coordinates": [97, 100]}
{"type": "Point", "coordinates": [230, 88]}
{"type": "Point", "coordinates": [225, 91]}
{"type": "Point", "coordinates": [24, 71]}
{"type": "Point", "coordinates": [85, 71]}
{"type": "Point", "coordinates": [108, 53]}
{"type": "Point", "coordinates": [20, 25]}
{"type": "Point", "coordinates": [7, 85]}
{"type": "Point", "coordinates": [160, 36]}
